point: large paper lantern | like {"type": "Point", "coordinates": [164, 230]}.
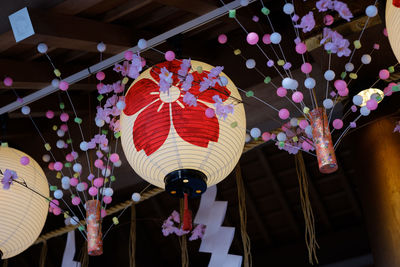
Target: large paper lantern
{"type": "Point", "coordinates": [22, 211]}
{"type": "Point", "coordinates": [171, 144]}
{"type": "Point", "coordinates": [393, 26]}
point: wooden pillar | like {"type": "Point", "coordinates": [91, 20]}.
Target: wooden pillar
{"type": "Point", "coordinates": [378, 167]}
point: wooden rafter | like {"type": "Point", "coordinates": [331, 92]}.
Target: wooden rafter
{"type": "Point", "coordinates": [197, 7]}
{"type": "Point", "coordinates": [73, 7]}
{"type": "Point", "coordinates": [125, 9]}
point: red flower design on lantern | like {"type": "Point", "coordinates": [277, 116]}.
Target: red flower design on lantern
{"type": "Point", "coordinates": [159, 110]}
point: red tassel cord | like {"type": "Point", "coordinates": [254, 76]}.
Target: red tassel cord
{"type": "Point", "coordinates": [396, 3]}
{"type": "Point", "coordinates": [187, 215]}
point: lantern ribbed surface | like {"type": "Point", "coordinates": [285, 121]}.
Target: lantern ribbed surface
{"type": "Point", "coordinates": [22, 212]}
{"type": "Point", "coordinates": [393, 27]}
{"type": "Point", "coordinates": [160, 134]}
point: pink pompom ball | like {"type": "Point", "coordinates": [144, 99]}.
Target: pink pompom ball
{"type": "Point", "coordinates": [63, 85]}
{"type": "Point", "coordinates": [388, 91]}
{"type": "Point", "coordinates": [103, 213]}
{"type": "Point", "coordinates": [297, 97]}
{"type": "Point", "coordinates": [64, 127]}
{"type": "Point", "coordinates": [58, 166]}
{"type": "Point", "coordinates": [73, 181]}
{"type": "Point", "coordinates": [128, 55]}
{"type": "Point", "coordinates": [51, 166]}
{"type": "Point", "coordinates": [306, 68]}
{"type": "Point", "coordinates": [252, 38]}
{"type": "Point", "coordinates": [384, 74]}
{"type": "Point", "coordinates": [54, 203]}
{"type": "Point", "coordinates": [24, 160]}
{"type": "Point", "coordinates": [114, 157]}
{"type": "Point", "coordinates": [74, 154]}
{"type": "Point", "coordinates": [107, 199]}
{"type": "Point", "coordinates": [343, 92]}
{"type": "Point", "coordinates": [93, 191]}
{"type": "Point", "coordinates": [222, 38]}
{"type": "Point", "coordinates": [281, 92]}
{"type": "Point", "coordinates": [76, 201]}
{"type": "Point", "coordinates": [99, 86]}
{"type": "Point", "coordinates": [98, 182]}
{"type": "Point", "coordinates": [64, 117]}
{"type": "Point", "coordinates": [100, 76]}
{"type": "Point", "coordinates": [301, 48]}
{"type": "Point", "coordinates": [50, 114]}
{"type": "Point", "coordinates": [340, 85]}
{"type": "Point", "coordinates": [56, 211]}
{"type": "Point", "coordinates": [210, 113]}
{"type": "Point", "coordinates": [98, 163]}
{"type": "Point", "coordinates": [266, 38]}
{"type": "Point", "coordinates": [266, 136]}
{"type": "Point", "coordinates": [170, 55]}
{"type": "Point", "coordinates": [8, 81]}
{"type": "Point", "coordinates": [328, 20]}
{"type": "Point", "coordinates": [385, 32]}
{"type": "Point", "coordinates": [303, 124]}
{"type": "Point", "coordinates": [69, 157]}
{"type": "Point", "coordinates": [337, 124]}
{"type": "Point", "coordinates": [372, 104]}
{"type": "Point", "coordinates": [284, 114]}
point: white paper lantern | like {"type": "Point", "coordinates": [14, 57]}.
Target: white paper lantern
{"type": "Point", "coordinates": [22, 212]}
{"type": "Point", "coordinates": [393, 27]}
{"type": "Point", "coordinates": [161, 136]}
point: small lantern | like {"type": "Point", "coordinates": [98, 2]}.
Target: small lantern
{"type": "Point", "coordinates": [393, 26]}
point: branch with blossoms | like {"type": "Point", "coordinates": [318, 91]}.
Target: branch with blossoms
{"type": "Point", "coordinates": [172, 226]}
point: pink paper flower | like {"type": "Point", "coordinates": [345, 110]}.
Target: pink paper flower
{"type": "Point", "coordinates": [343, 10]}
{"type": "Point", "coordinates": [8, 177]}
{"type": "Point", "coordinates": [307, 22]}
{"type": "Point", "coordinates": [324, 5]}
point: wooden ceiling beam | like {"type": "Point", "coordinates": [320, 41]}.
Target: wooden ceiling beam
{"type": "Point", "coordinates": [73, 7]}
{"type": "Point", "coordinates": [197, 7]}
{"type": "Point", "coordinates": [122, 10]}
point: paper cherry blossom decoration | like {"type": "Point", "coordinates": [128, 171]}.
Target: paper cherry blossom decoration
{"type": "Point", "coordinates": [162, 136]}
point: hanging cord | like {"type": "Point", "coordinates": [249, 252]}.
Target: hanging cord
{"type": "Point", "coordinates": [43, 254]}
{"type": "Point", "coordinates": [187, 215]}
{"type": "Point", "coordinates": [182, 239]}
{"type": "Point", "coordinates": [310, 237]}
{"type": "Point", "coordinates": [247, 262]}
{"type": "Point", "coordinates": [84, 259]}
{"type": "Point", "coordinates": [132, 237]}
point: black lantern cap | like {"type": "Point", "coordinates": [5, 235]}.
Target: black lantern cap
{"type": "Point", "coordinates": [192, 182]}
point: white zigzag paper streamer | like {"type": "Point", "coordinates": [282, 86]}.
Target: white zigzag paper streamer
{"type": "Point", "coordinates": [217, 239]}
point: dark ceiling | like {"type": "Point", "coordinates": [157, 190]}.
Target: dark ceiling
{"type": "Point", "coordinates": [72, 28]}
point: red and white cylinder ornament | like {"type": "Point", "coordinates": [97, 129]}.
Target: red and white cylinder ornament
{"type": "Point", "coordinates": [392, 17]}
{"type": "Point", "coordinates": [323, 141]}
{"type": "Point", "coordinates": [94, 234]}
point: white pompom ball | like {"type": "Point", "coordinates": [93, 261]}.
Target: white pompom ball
{"type": "Point", "coordinates": [349, 67]}
{"type": "Point", "coordinates": [60, 133]}
{"type": "Point", "coordinates": [255, 132]}
{"type": "Point", "coordinates": [309, 83]}
{"type": "Point", "coordinates": [118, 163]}
{"type": "Point", "coordinates": [308, 130]}
{"type": "Point", "coordinates": [275, 38]}
{"type": "Point", "coordinates": [108, 192]}
{"type": "Point", "coordinates": [289, 83]}
{"type": "Point", "coordinates": [99, 123]}
{"type": "Point", "coordinates": [46, 157]}
{"type": "Point", "coordinates": [121, 105]}
{"type": "Point", "coordinates": [248, 138]}
{"type": "Point", "coordinates": [371, 11]}
{"type": "Point", "coordinates": [142, 43]}
{"type": "Point", "coordinates": [357, 100]}
{"type": "Point", "coordinates": [364, 111]}
{"type": "Point", "coordinates": [26, 110]}
{"type": "Point", "coordinates": [136, 197]}
{"type": "Point", "coordinates": [74, 220]}
{"type": "Point", "coordinates": [80, 187]}
{"type": "Point", "coordinates": [286, 83]}
{"type": "Point", "coordinates": [281, 137]}
{"type": "Point", "coordinates": [65, 186]}
{"type": "Point", "coordinates": [42, 48]}
{"type": "Point", "coordinates": [294, 122]}
{"type": "Point", "coordinates": [60, 144]}
{"type": "Point", "coordinates": [101, 47]}
{"type": "Point", "coordinates": [329, 75]}
{"type": "Point", "coordinates": [244, 2]}
{"type": "Point", "coordinates": [328, 103]}
{"type": "Point", "coordinates": [288, 8]}
{"type": "Point", "coordinates": [250, 63]}
{"type": "Point", "coordinates": [65, 180]}
{"type": "Point", "coordinates": [223, 81]}
{"type": "Point", "coordinates": [58, 194]}
{"type": "Point", "coordinates": [55, 83]}
{"type": "Point", "coordinates": [83, 146]}
{"type": "Point", "coordinates": [77, 167]}
{"type": "Point", "coordinates": [366, 59]}
{"type": "Point", "coordinates": [106, 172]}
{"type": "Point", "coordinates": [294, 84]}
